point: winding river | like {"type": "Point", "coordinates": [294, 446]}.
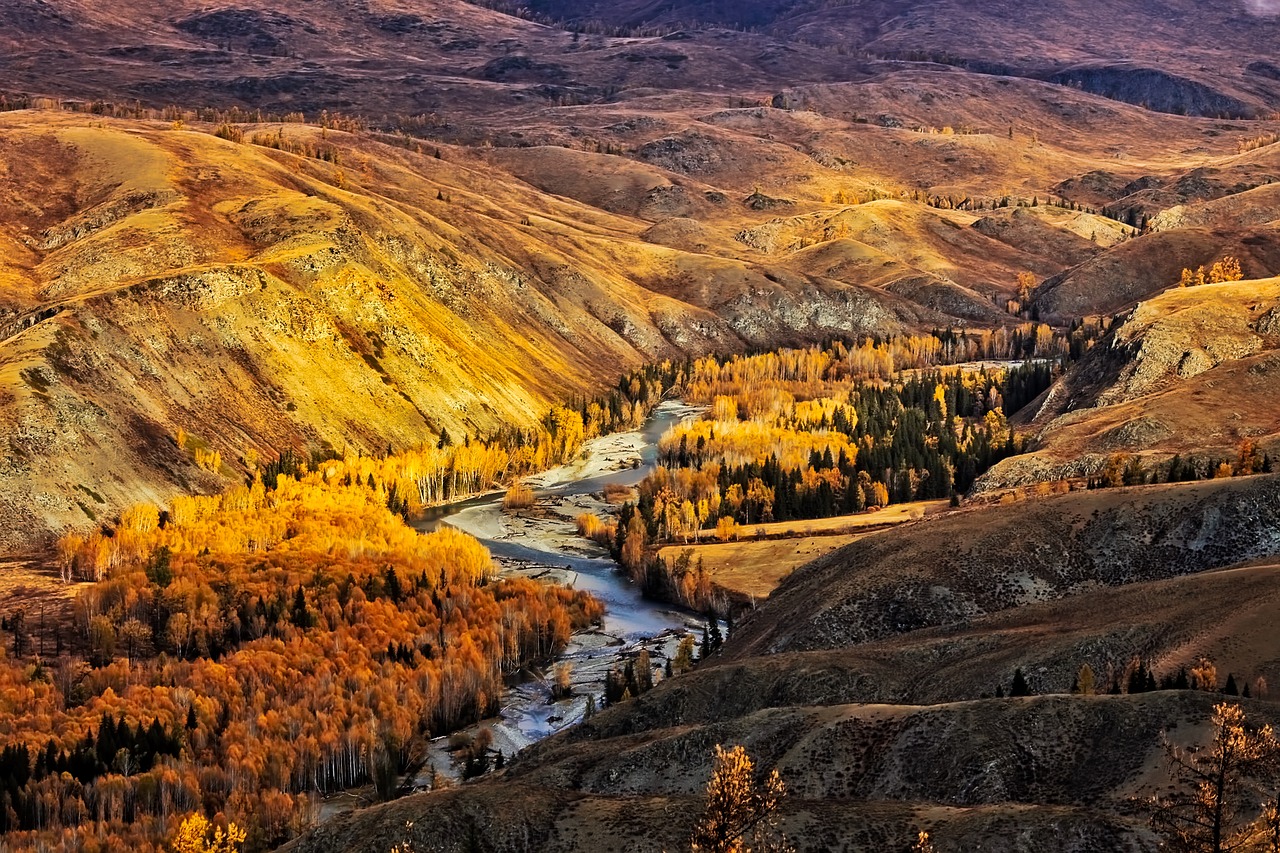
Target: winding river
{"type": "Point", "coordinates": [544, 544]}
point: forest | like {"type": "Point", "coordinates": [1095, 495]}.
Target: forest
{"type": "Point", "coordinates": [238, 655]}
{"type": "Point", "coordinates": [245, 652]}
{"type": "Point", "coordinates": [826, 431]}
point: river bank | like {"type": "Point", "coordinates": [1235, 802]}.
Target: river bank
{"type": "Point", "coordinates": [542, 542]}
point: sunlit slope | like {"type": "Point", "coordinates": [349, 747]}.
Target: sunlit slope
{"type": "Point", "coordinates": [1192, 371]}
{"type": "Point", "coordinates": [260, 300]}
{"type": "Point", "coordinates": [352, 294]}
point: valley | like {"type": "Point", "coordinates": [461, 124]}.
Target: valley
{"type": "Point", "coordinates": [542, 544]}
{"type": "Point", "coordinates": [441, 425]}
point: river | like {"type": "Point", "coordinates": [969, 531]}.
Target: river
{"type": "Point", "coordinates": [543, 543]}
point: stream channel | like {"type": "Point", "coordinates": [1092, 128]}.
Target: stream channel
{"type": "Point", "coordinates": [543, 543]}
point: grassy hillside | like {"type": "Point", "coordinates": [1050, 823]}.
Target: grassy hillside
{"type": "Point", "coordinates": [363, 296]}
{"type": "Point", "coordinates": [1187, 372]}
{"type": "Point", "coordinates": [878, 738]}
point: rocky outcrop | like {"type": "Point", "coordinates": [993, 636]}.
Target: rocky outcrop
{"type": "Point", "coordinates": [1154, 89]}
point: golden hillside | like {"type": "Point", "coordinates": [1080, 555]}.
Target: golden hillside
{"type": "Point", "coordinates": [1190, 371]}
{"type": "Point", "coordinates": [262, 300]}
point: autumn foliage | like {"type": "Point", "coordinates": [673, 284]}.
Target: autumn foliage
{"type": "Point", "coordinates": [821, 432]}
{"type": "Point", "coordinates": [741, 811]}
{"type": "Point", "coordinates": [247, 651]}
{"type": "Point", "coordinates": [1227, 269]}
{"type": "Point", "coordinates": [1223, 797]}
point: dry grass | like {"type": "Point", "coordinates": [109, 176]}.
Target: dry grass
{"type": "Point", "coordinates": [753, 569]}
{"type": "Point", "coordinates": [959, 566]}
{"type": "Point", "coordinates": [755, 563]}
{"type": "Point", "coordinates": [518, 496]}
{"type": "Point", "coordinates": [35, 588]}
{"type": "Point", "coordinates": [889, 516]}
{"type": "Point", "coordinates": [616, 493]}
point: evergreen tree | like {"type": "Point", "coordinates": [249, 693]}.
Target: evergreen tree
{"type": "Point", "coordinates": [717, 638]}
{"type": "Point", "coordinates": [300, 615]}
{"type": "Point", "coordinates": [1019, 686]}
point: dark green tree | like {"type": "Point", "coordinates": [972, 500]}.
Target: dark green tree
{"type": "Point", "coordinates": [1019, 686]}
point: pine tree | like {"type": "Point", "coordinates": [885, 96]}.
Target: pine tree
{"type": "Point", "coordinates": [717, 638]}
{"type": "Point", "coordinates": [300, 614]}
{"type": "Point", "coordinates": [1019, 686]}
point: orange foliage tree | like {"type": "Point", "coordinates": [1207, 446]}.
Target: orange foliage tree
{"type": "Point", "coordinates": [252, 649]}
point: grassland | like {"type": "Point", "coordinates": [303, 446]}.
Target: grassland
{"type": "Point", "coordinates": [753, 566]}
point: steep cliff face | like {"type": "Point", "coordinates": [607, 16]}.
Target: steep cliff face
{"type": "Point", "coordinates": [1154, 89]}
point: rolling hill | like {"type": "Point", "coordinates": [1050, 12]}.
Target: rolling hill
{"type": "Point", "coordinates": [358, 225]}
{"type": "Point", "coordinates": [1187, 372]}
{"type": "Point", "coordinates": [882, 721]}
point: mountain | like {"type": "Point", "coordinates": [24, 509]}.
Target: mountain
{"type": "Point", "coordinates": [1172, 56]}
{"type": "Point", "coordinates": [364, 223]}
{"type": "Point", "coordinates": [367, 296]}
{"type": "Point", "coordinates": [603, 225]}
{"type": "Point", "coordinates": [395, 56]}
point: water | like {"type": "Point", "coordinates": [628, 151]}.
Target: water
{"type": "Point", "coordinates": [550, 549]}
